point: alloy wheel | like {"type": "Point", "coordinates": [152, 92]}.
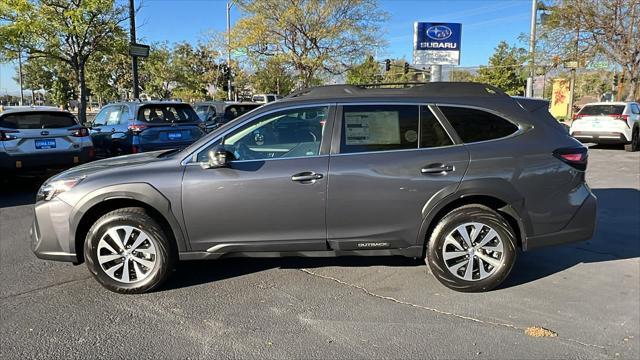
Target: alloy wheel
{"type": "Point", "coordinates": [126, 254]}
{"type": "Point", "coordinates": [473, 251]}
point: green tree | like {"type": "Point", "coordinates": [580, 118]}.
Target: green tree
{"type": "Point", "coordinates": [109, 72]}
{"type": "Point", "coordinates": [55, 77]}
{"type": "Point", "coordinates": [70, 31]}
{"type": "Point", "coordinates": [158, 77]}
{"type": "Point", "coordinates": [505, 69]}
{"type": "Point", "coordinates": [312, 36]}
{"type": "Point", "coordinates": [368, 72]}
{"type": "Point", "coordinates": [196, 68]}
{"type": "Point", "coordinates": [272, 77]}
{"type": "Point", "coordinates": [461, 75]}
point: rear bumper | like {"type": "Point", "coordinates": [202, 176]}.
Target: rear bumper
{"type": "Point", "coordinates": [602, 137]}
{"type": "Point", "coordinates": [581, 227]}
{"type": "Point", "coordinates": [42, 161]}
{"type": "Point", "coordinates": [50, 237]}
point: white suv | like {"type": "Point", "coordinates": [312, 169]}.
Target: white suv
{"type": "Point", "coordinates": [608, 123]}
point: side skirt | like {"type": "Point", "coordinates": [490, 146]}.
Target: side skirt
{"type": "Point", "coordinates": [413, 251]}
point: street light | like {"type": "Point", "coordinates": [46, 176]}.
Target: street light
{"type": "Point", "coordinates": [229, 5]}
{"type": "Point", "coordinates": [535, 6]}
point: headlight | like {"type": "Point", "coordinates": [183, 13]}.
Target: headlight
{"type": "Point", "coordinates": [50, 190]}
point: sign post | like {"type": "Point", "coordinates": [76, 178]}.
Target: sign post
{"type": "Point", "coordinates": [436, 44]}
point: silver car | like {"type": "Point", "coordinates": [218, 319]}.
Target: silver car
{"type": "Point", "coordinates": [39, 138]}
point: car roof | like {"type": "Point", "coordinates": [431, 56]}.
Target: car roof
{"type": "Point", "coordinates": [27, 109]}
{"type": "Point", "coordinates": [610, 103]}
{"type": "Point", "coordinates": [463, 93]}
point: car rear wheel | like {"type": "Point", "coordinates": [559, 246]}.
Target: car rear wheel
{"type": "Point", "coordinates": [127, 251]}
{"type": "Point", "coordinates": [472, 249]}
{"type": "Point", "coordinates": [635, 141]}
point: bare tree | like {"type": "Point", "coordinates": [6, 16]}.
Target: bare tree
{"type": "Point", "coordinates": [584, 29]}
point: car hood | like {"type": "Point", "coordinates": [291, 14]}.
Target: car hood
{"type": "Point", "coordinates": [111, 163]}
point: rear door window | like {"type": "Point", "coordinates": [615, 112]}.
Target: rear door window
{"type": "Point", "coordinates": [473, 125]}
{"type": "Point", "coordinates": [167, 113]}
{"type": "Point", "coordinates": [38, 120]}
{"type": "Point", "coordinates": [635, 109]}
{"type": "Point", "coordinates": [368, 128]}
{"type": "Point", "coordinates": [601, 110]}
{"type": "Point", "coordinates": [432, 134]}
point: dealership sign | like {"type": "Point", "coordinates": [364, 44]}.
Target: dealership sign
{"type": "Point", "coordinates": [436, 43]}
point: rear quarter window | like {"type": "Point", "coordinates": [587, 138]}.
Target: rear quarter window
{"type": "Point", "coordinates": [473, 125]}
{"type": "Point", "coordinates": [38, 121]}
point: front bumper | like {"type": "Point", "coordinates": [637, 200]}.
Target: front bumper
{"type": "Point", "coordinates": [43, 161]}
{"type": "Point", "coordinates": [50, 234]}
{"type": "Point", "coordinates": [581, 227]}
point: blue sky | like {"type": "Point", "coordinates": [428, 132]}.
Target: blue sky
{"type": "Point", "coordinates": [484, 24]}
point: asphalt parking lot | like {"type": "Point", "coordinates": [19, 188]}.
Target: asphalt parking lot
{"type": "Point", "coordinates": [587, 293]}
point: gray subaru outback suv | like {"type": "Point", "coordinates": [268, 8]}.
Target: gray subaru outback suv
{"type": "Point", "coordinates": [457, 173]}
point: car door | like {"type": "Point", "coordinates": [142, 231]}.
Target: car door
{"type": "Point", "coordinates": [387, 161]}
{"type": "Point", "coordinates": [100, 135]}
{"type": "Point", "coordinates": [118, 128]}
{"type": "Point", "coordinates": [272, 195]}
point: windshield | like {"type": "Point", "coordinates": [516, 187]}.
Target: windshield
{"type": "Point", "coordinates": [602, 110]}
{"type": "Point", "coordinates": [165, 113]}
{"type": "Point", "coordinates": [38, 120]}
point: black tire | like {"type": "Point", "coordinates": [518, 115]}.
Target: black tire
{"type": "Point", "coordinates": [165, 255]}
{"type": "Point", "coordinates": [635, 141]}
{"type": "Point", "coordinates": [466, 214]}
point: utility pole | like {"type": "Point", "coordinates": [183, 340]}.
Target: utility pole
{"type": "Point", "coordinates": [20, 76]}
{"type": "Point", "coordinates": [229, 4]}
{"type": "Point", "coordinates": [572, 85]}
{"type": "Point", "coordinates": [532, 48]}
{"type": "Point", "coordinates": [134, 59]}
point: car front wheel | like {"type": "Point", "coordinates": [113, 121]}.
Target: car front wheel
{"type": "Point", "coordinates": [127, 251]}
{"type": "Point", "coordinates": [472, 249]}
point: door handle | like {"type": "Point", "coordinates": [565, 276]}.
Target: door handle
{"type": "Point", "coordinates": [306, 176]}
{"type": "Point", "coordinates": [113, 130]}
{"type": "Point", "coordinates": [437, 169]}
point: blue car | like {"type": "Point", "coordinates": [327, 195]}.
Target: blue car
{"type": "Point", "coordinates": [133, 127]}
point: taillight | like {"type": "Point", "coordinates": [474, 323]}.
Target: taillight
{"type": "Point", "coordinates": [136, 129]}
{"type": "Point", "coordinates": [620, 117]}
{"type": "Point", "coordinates": [576, 157]}
{"type": "Point", "coordinates": [135, 149]}
{"type": "Point", "coordinates": [577, 116]}
{"type": "Point", "coordinates": [91, 153]}
{"type": "Point", "coordinates": [81, 132]}
{"type": "Point", "coordinates": [5, 135]}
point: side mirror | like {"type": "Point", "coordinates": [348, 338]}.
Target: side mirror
{"type": "Point", "coordinates": [218, 157]}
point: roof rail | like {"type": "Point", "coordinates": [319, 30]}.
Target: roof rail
{"type": "Point", "coordinates": [439, 89]}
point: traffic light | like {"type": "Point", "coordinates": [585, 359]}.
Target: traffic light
{"type": "Point", "coordinates": [615, 79]}
{"type": "Point", "coordinates": [387, 65]}
{"type": "Point", "coordinates": [406, 68]}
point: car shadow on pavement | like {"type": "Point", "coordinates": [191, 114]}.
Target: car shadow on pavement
{"type": "Point", "coordinates": [18, 191]}
{"type": "Point", "coordinates": [617, 237]}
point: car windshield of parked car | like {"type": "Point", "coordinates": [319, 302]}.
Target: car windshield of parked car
{"type": "Point", "coordinates": [602, 110]}
{"type": "Point", "coordinates": [205, 111]}
{"type": "Point", "coordinates": [162, 113]}
{"type": "Point", "coordinates": [38, 120]}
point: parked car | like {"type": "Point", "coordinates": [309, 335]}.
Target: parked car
{"type": "Point", "coordinates": [218, 113]}
{"type": "Point", "coordinates": [132, 127]}
{"type": "Point", "coordinates": [40, 138]}
{"type": "Point", "coordinates": [265, 98]}
{"type": "Point", "coordinates": [608, 123]}
{"type": "Point", "coordinates": [458, 173]}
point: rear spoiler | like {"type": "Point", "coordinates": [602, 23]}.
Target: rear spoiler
{"type": "Point", "coordinates": [531, 104]}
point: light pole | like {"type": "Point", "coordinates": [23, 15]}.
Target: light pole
{"type": "Point", "coordinates": [20, 76]}
{"type": "Point", "coordinates": [532, 48]}
{"type": "Point", "coordinates": [134, 59]}
{"type": "Point", "coordinates": [229, 5]}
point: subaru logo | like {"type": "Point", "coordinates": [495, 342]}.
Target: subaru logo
{"type": "Point", "coordinates": [439, 32]}
{"type": "Point", "coordinates": [44, 133]}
